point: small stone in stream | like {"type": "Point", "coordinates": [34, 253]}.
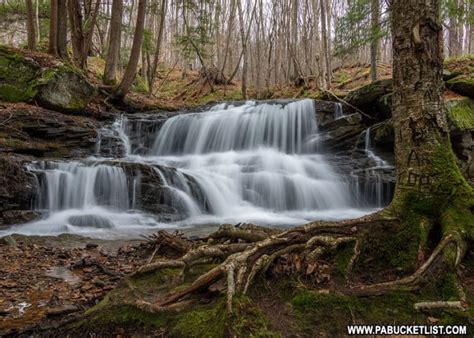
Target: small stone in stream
{"type": "Point", "coordinates": [90, 246]}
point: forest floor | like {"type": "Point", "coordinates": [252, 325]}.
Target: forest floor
{"type": "Point", "coordinates": [53, 286]}
{"type": "Point", "coordinates": [46, 282]}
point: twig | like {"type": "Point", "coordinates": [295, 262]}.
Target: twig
{"type": "Point", "coordinates": [6, 120]}
{"type": "Point", "coordinates": [347, 103]}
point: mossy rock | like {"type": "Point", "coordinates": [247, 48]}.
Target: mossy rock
{"type": "Point", "coordinates": [65, 89]}
{"type": "Point", "coordinates": [59, 87]}
{"type": "Point", "coordinates": [462, 84]}
{"type": "Point", "coordinates": [17, 76]}
{"type": "Point", "coordinates": [370, 93]}
{"type": "Point", "coordinates": [461, 113]}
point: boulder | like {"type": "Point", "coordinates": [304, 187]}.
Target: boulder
{"type": "Point", "coordinates": [54, 85]}
{"type": "Point", "coordinates": [462, 84]}
{"type": "Point", "coordinates": [18, 76]}
{"type": "Point", "coordinates": [65, 89]}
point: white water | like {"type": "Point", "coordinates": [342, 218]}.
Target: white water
{"type": "Point", "coordinates": [252, 163]}
{"type": "Point", "coordinates": [338, 112]}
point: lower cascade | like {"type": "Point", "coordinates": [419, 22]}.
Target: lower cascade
{"type": "Point", "coordinates": [240, 162]}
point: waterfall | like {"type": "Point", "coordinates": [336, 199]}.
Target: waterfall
{"type": "Point", "coordinates": [374, 187]}
{"type": "Point", "coordinates": [338, 113]}
{"type": "Point", "coordinates": [73, 185]}
{"type": "Point", "coordinates": [236, 128]}
{"type": "Point", "coordinates": [241, 162]}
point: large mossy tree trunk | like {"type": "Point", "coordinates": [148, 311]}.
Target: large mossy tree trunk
{"type": "Point", "coordinates": [429, 185]}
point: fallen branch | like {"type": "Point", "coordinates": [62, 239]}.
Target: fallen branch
{"type": "Point", "coordinates": [456, 305]}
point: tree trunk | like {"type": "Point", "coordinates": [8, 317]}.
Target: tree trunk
{"type": "Point", "coordinates": [115, 33]}
{"type": "Point", "coordinates": [81, 38]}
{"type": "Point", "coordinates": [62, 29]}
{"type": "Point", "coordinates": [324, 38]}
{"type": "Point", "coordinates": [375, 43]}
{"type": "Point", "coordinates": [53, 28]}
{"type": "Point", "coordinates": [30, 25]}
{"type": "Point", "coordinates": [131, 69]}
{"type": "Point", "coordinates": [244, 51]}
{"type": "Point", "coordinates": [159, 39]}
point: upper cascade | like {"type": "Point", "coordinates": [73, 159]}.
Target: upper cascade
{"type": "Point", "coordinates": [249, 126]}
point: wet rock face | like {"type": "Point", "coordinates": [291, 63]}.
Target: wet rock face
{"type": "Point", "coordinates": [342, 133]}
{"type": "Point", "coordinates": [17, 191]}
{"type": "Point", "coordinates": [38, 132]}
{"type": "Point", "coordinates": [53, 85]}
{"type": "Point", "coordinates": [154, 195]}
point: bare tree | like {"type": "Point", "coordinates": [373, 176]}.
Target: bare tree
{"type": "Point", "coordinates": [30, 25]}
{"type": "Point", "coordinates": [375, 43]}
{"type": "Point", "coordinates": [53, 28]}
{"type": "Point", "coordinates": [131, 69]}
{"type": "Point", "coordinates": [115, 34]}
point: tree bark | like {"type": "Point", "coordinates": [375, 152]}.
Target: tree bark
{"type": "Point", "coordinates": [375, 43]}
{"type": "Point", "coordinates": [53, 28]}
{"type": "Point", "coordinates": [159, 39]}
{"type": "Point", "coordinates": [30, 25]}
{"type": "Point", "coordinates": [115, 34]}
{"type": "Point", "coordinates": [418, 116]}
{"type": "Point", "coordinates": [324, 40]}
{"type": "Point", "coordinates": [131, 69]}
{"type": "Point", "coordinates": [62, 29]}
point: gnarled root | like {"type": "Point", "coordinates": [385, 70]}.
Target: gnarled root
{"type": "Point", "coordinates": [246, 255]}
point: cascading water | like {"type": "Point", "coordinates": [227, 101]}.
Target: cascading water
{"type": "Point", "coordinates": [338, 113]}
{"type": "Point", "coordinates": [249, 162]}
{"type": "Point", "coordinates": [375, 187]}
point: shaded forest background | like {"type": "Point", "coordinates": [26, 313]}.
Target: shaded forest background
{"type": "Point", "coordinates": [197, 51]}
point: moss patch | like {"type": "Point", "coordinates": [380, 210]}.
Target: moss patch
{"type": "Point", "coordinates": [461, 113]}
{"type": "Point", "coordinates": [328, 314]}
{"type": "Point", "coordinates": [17, 76]}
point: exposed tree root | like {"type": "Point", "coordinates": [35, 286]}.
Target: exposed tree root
{"type": "Point", "coordinates": [413, 281]}
{"type": "Point", "coordinates": [247, 251]}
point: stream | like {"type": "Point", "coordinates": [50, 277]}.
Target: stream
{"type": "Point", "coordinates": [252, 162]}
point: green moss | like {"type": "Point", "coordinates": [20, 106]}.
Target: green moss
{"type": "Point", "coordinates": [246, 320]}
{"type": "Point", "coordinates": [342, 258]}
{"type": "Point", "coordinates": [17, 76]}
{"type": "Point", "coordinates": [108, 319]}
{"type": "Point", "coordinates": [140, 85]}
{"type": "Point", "coordinates": [390, 248]}
{"type": "Point", "coordinates": [461, 113]}
{"type": "Point", "coordinates": [328, 314]}
{"type": "Point", "coordinates": [205, 322]}
{"type": "Point", "coordinates": [157, 280]}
